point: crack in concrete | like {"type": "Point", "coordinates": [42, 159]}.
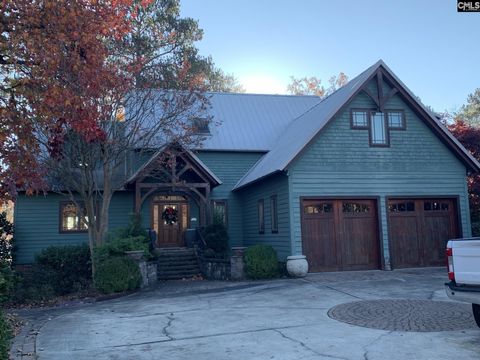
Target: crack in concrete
{"type": "Point", "coordinates": [306, 347]}
{"type": "Point", "coordinates": [313, 284]}
{"type": "Point", "coordinates": [170, 338]}
{"type": "Point", "coordinates": [366, 347]}
{"type": "Point", "coordinates": [162, 313]}
{"type": "Point", "coordinates": [170, 318]}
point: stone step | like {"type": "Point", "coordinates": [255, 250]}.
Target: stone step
{"type": "Point", "coordinates": [178, 266]}
{"type": "Point", "coordinates": [176, 263]}
{"type": "Point", "coordinates": [179, 272]}
{"type": "Point", "coordinates": [177, 277]}
{"type": "Point", "coordinates": [174, 251]}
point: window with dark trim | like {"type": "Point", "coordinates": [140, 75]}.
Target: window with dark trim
{"type": "Point", "coordinates": [396, 119]}
{"type": "Point", "coordinates": [378, 129]}
{"type": "Point", "coordinates": [359, 119]}
{"type": "Point", "coordinates": [274, 213]}
{"type": "Point", "coordinates": [378, 124]}
{"type": "Point", "coordinates": [261, 216]}
{"type": "Point", "coordinates": [201, 126]}
{"type": "Point", "coordinates": [220, 211]}
{"type": "Point", "coordinates": [73, 218]}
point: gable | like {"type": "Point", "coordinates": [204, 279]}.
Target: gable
{"type": "Point", "coordinates": [305, 129]}
{"type": "Point", "coordinates": [339, 148]}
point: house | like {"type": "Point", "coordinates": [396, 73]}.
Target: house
{"type": "Point", "coordinates": [366, 178]}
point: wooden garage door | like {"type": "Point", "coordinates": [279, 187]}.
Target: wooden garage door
{"type": "Point", "coordinates": [419, 230]}
{"type": "Point", "coordinates": [340, 234]}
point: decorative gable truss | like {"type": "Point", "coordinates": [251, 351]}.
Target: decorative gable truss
{"type": "Point", "coordinates": [175, 171]}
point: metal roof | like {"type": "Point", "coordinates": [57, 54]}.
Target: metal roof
{"type": "Point", "coordinates": [251, 122]}
{"type": "Point", "coordinates": [304, 128]}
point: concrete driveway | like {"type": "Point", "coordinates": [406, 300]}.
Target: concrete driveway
{"type": "Point", "coordinates": [281, 319]}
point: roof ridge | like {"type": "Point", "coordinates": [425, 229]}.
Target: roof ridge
{"type": "Point", "coordinates": [258, 94]}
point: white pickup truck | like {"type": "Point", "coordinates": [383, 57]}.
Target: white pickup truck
{"type": "Point", "coordinates": [463, 256]}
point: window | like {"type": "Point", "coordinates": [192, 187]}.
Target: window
{"type": "Point", "coordinates": [378, 124]}
{"type": "Point", "coordinates": [261, 217]}
{"type": "Point", "coordinates": [395, 120]}
{"type": "Point", "coordinates": [402, 207]}
{"type": "Point", "coordinates": [321, 208]}
{"type": "Point", "coordinates": [378, 133]}
{"type": "Point", "coordinates": [220, 210]}
{"type": "Point", "coordinates": [274, 213]}
{"type": "Point", "coordinates": [435, 206]}
{"type": "Point", "coordinates": [355, 208]}
{"type": "Point", "coordinates": [200, 126]}
{"type": "Point", "coordinates": [359, 119]}
{"type": "Point", "coordinates": [72, 218]}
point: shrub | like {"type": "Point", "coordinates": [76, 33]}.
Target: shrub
{"type": "Point", "coordinates": [216, 237]}
{"type": "Point", "coordinates": [476, 228]}
{"type": "Point", "coordinates": [117, 246]}
{"type": "Point", "coordinates": [117, 274]}
{"type": "Point", "coordinates": [5, 335]}
{"type": "Point", "coordinates": [69, 266]}
{"type": "Point", "coordinates": [6, 282]}
{"type": "Point", "coordinates": [6, 239]}
{"type": "Point", "coordinates": [261, 262]}
{"type": "Point", "coordinates": [34, 285]}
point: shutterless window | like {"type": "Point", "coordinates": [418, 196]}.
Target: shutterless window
{"type": "Point", "coordinates": [395, 120]}
{"type": "Point", "coordinates": [261, 217]}
{"type": "Point", "coordinates": [359, 119]}
{"type": "Point", "coordinates": [220, 211]}
{"type": "Point", "coordinates": [378, 133]}
{"type": "Point", "coordinates": [274, 213]}
{"type": "Point", "coordinates": [73, 218]}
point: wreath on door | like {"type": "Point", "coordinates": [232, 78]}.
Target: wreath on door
{"type": "Point", "coordinates": [170, 215]}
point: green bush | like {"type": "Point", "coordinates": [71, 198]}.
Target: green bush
{"type": "Point", "coordinates": [216, 237]}
{"type": "Point", "coordinates": [261, 262]}
{"type": "Point", "coordinates": [117, 246]}
{"type": "Point", "coordinates": [6, 239]}
{"type": "Point", "coordinates": [33, 285]}
{"type": "Point", "coordinates": [6, 282]}
{"type": "Point", "coordinates": [476, 228]}
{"type": "Point", "coordinates": [5, 336]}
{"type": "Point", "coordinates": [117, 274]}
{"type": "Point", "coordinates": [69, 266]}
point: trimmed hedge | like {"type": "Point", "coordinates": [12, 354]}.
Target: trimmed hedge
{"type": "Point", "coordinates": [70, 267]}
{"type": "Point", "coordinates": [117, 274]}
{"type": "Point", "coordinates": [261, 262]}
{"type": "Point", "coordinates": [117, 247]}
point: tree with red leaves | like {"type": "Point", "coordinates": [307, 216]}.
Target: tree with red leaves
{"type": "Point", "coordinates": [469, 136]}
{"type": "Point", "coordinates": [69, 69]}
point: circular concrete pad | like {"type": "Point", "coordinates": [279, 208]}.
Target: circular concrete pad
{"type": "Point", "coordinates": [405, 315]}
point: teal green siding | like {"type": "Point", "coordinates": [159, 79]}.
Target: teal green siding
{"type": "Point", "coordinates": [340, 162]}
{"type": "Point", "coordinates": [37, 223]}
{"type": "Point", "coordinates": [273, 185]}
{"type": "Point", "coordinates": [229, 167]}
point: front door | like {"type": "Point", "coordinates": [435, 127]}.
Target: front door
{"type": "Point", "coordinates": [170, 219]}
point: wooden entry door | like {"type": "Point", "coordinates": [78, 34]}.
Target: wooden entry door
{"type": "Point", "coordinates": [340, 234]}
{"type": "Point", "coordinates": [170, 234]}
{"type": "Point", "coordinates": [419, 230]}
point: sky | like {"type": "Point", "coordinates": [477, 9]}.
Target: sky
{"type": "Point", "coordinates": [433, 49]}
